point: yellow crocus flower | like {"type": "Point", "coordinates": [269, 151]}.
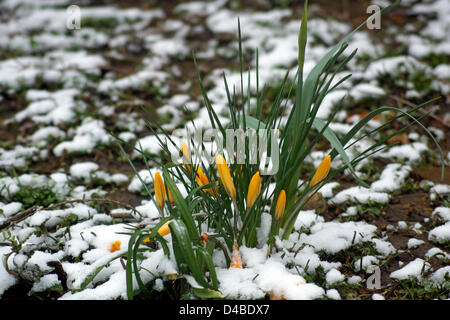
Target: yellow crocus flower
{"type": "Point", "coordinates": [186, 155]}
{"type": "Point", "coordinates": [115, 246]}
{"type": "Point", "coordinates": [171, 198]}
{"type": "Point", "coordinates": [254, 189]}
{"type": "Point", "coordinates": [185, 151]}
{"type": "Point", "coordinates": [281, 204]}
{"type": "Point", "coordinates": [163, 230]}
{"type": "Point", "coordinates": [202, 179]}
{"type": "Point", "coordinates": [160, 190]}
{"type": "Point", "coordinates": [225, 176]}
{"type": "Point", "coordinates": [322, 171]}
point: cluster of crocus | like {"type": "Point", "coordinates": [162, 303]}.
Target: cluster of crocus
{"type": "Point", "coordinates": [162, 194]}
{"type": "Point", "coordinates": [254, 188]}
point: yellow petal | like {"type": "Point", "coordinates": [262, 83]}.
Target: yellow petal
{"type": "Point", "coordinates": [185, 151]}
{"type": "Point", "coordinates": [115, 246]}
{"type": "Point", "coordinates": [254, 189]}
{"type": "Point", "coordinates": [160, 190]}
{"type": "Point", "coordinates": [281, 204]}
{"type": "Point", "coordinates": [225, 176]}
{"type": "Point", "coordinates": [202, 180]}
{"type": "Point", "coordinates": [171, 198]}
{"type": "Point", "coordinates": [163, 231]}
{"type": "Point", "coordinates": [322, 171]}
{"type": "Point", "coordinates": [186, 155]}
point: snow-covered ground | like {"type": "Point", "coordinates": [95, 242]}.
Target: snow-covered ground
{"type": "Point", "coordinates": [63, 91]}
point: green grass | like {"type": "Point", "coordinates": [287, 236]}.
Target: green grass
{"type": "Point", "coordinates": [100, 24]}
{"type": "Point", "coordinates": [31, 196]}
{"type": "Point", "coordinates": [418, 290]}
{"type": "Point", "coordinates": [435, 59]}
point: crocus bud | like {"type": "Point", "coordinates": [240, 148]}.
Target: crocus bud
{"type": "Point", "coordinates": [171, 198]}
{"type": "Point", "coordinates": [186, 155]}
{"type": "Point", "coordinates": [185, 151]}
{"type": "Point", "coordinates": [281, 204]}
{"type": "Point", "coordinates": [322, 171]}
{"type": "Point", "coordinates": [254, 189]}
{"type": "Point", "coordinates": [225, 176]}
{"type": "Point", "coordinates": [160, 190]}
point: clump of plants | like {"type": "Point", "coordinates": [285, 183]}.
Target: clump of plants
{"type": "Point", "coordinates": [223, 201]}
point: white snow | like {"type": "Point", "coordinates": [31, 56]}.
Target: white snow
{"type": "Point", "coordinates": [441, 275]}
{"type": "Point", "coordinates": [333, 294]}
{"type": "Point", "coordinates": [47, 281]}
{"type": "Point", "coordinates": [413, 270]}
{"type": "Point", "coordinates": [440, 233]}
{"type": "Point", "coordinates": [393, 177]}
{"type": "Point", "coordinates": [377, 296]}
{"type": "Point", "coordinates": [364, 263]}
{"type": "Point", "coordinates": [360, 194]}
{"type": "Point", "coordinates": [333, 237]}
{"type": "Point", "coordinates": [334, 276]}
{"type": "Point", "coordinates": [414, 243]}
{"type": "Point", "coordinates": [71, 95]}
{"type": "Point", "coordinates": [86, 137]}
{"type": "Point", "coordinates": [7, 280]}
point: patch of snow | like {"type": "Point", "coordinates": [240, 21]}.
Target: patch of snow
{"type": "Point", "coordinates": [334, 276]}
{"type": "Point", "coordinates": [377, 296]}
{"type": "Point", "coordinates": [440, 233]}
{"type": "Point", "coordinates": [333, 294]}
{"type": "Point", "coordinates": [360, 194]}
{"type": "Point", "coordinates": [412, 270]}
{"type": "Point", "coordinates": [333, 237]}
{"type": "Point", "coordinates": [7, 280]}
{"type": "Point", "coordinates": [392, 178]}
{"type": "Point", "coordinates": [414, 243]}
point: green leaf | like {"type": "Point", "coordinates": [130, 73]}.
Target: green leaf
{"type": "Point", "coordinates": [185, 213]}
{"type": "Point", "coordinates": [372, 114]}
{"type": "Point", "coordinates": [129, 266]}
{"type": "Point", "coordinates": [252, 123]}
{"type": "Point", "coordinates": [185, 253]}
{"type": "Point", "coordinates": [207, 259]}
{"type": "Point", "coordinates": [302, 37]}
